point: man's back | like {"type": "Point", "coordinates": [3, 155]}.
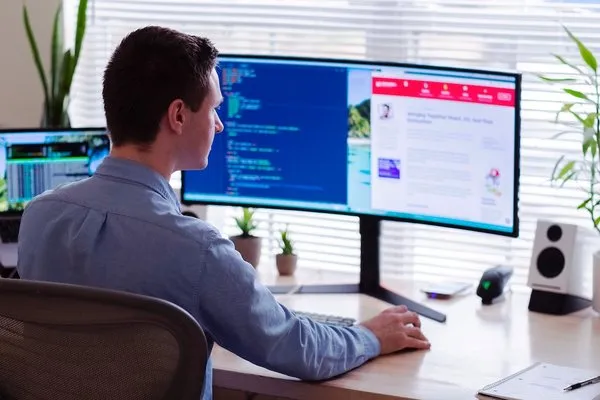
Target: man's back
{"type": "Point", "coordinates": [123, 229]}
{"type": "Point", "coordinates": [110, 232]}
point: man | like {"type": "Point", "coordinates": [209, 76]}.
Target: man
{"type": "Point", "coordinates": [123, 228]}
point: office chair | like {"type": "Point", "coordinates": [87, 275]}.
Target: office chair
{"type": "Point", "coordinates": [69, 342]}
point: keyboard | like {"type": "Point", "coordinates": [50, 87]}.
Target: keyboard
{"type": "Point", "coordinates": [334, 320]}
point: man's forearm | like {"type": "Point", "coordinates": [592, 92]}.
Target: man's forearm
{"type": "Point", "coordinates": [247, 320]}
{"type": "Point", "coordinates": [316, 352]}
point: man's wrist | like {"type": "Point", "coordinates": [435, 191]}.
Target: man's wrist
{"type": "Point", "coordinates": [371, 344]}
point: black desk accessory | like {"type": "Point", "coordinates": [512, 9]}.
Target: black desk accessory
{"type": "Point", "coordinates": [493, 283]}
{"type": "Point", "coordinates": [556, 303]}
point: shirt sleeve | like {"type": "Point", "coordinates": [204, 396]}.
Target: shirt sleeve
{"type": "Point", "coordinates": [244, 317]}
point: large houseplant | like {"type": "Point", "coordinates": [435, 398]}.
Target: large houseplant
{"type": "Point", "coordinates": [583, 110]}
{"type": "Point", "coordinates": [246, 243]}
{"type": "Point", "coordinates": [63, 63]}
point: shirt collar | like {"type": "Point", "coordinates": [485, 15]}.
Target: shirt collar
{"type": "Point", "coordinates": [136, 172]}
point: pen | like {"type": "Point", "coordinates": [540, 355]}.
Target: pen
{"type": "Point", "coordinates": [583, 383]}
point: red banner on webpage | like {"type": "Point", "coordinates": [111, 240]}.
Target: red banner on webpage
{"type": "Point", "coordinates": [444, 91]}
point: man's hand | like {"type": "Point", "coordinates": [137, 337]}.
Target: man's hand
{"type": "Point", "coordinates": [397, 329]}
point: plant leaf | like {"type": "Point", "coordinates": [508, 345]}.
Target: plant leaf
{"type": "Point", "coordinates": [36, 55]}
{"type": "Point", "coordinates": [245, 222]}
{"type": "Point", "coordinates": [65, 77]}
{"type": "Point", "coordinates": [578, 94]}
{"type": "Point", "coordinates": [585, 53]}
{"type": "Point", "coordinates": [565, 108]}
{"type": "Point", "coordinates": [568, 178]}
{"type": "Point", "coordinates": [596, 221]}
{"type": "Point", "coordinates": [561, 133]}
{"type": "Point", "coordinates": [590, 120]}
{"type": "Point", "coordinates": [556, 167]}
{"type": "Point", "coordinates": [66, 74]}
{"type": "Point", "coordinates": [585, 203]}
{"type": "Point", "coordinates": [56, 52]}
{"type": "Point", "coordinates": [566, 169]}
{"type": "Point", "coordinates": [79, 31]}
{"type": "Point", "coordinates": [568, 64]}
{"type": "Point", "coordinates": [579, 118]}
{"type": "Point", "coordinates": [586, 145]}
{"type": "Point", "coordinates": [564, 80]}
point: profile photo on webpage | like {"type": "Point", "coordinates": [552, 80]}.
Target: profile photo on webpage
{"type": "Point", "coordinates": [385, 111]}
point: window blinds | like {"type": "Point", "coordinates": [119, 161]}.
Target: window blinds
{"type": "Point", "coordinates": [508, 34]}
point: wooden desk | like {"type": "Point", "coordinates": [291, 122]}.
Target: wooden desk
{"type": "Point", "coordinates": [476, 346]}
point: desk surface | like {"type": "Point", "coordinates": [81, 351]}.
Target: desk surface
{"type": "Point", "coordinates": [476, 346]}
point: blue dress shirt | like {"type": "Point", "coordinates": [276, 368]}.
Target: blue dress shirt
{"type": "Point", "coordinates": [123, 229]}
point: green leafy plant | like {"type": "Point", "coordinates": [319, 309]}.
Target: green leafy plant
{"type": "Point", "coordinates": [286, 244]}
{"type": "Point", "coordinates": [584, 113]}
{"type": "Point", "coordinates": [57, 85]}
{"type": "Point", "coordinates": [246, 223]}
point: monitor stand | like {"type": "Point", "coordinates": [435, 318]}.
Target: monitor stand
{"type": "Point", "coordinates": [370, 229]}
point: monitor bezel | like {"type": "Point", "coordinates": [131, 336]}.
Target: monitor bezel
{"type": "Point", "coordinates": [6, 130]}
{"type": "Point", "coordinates": [517, 76]}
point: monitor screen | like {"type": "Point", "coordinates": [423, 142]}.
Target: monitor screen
{"type": "Point", "coordinates": [33, 161]}
{"type": "Point", "coordinates": [412, 143]}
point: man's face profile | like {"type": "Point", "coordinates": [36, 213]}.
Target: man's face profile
{"type": "Point", "coordinates": [202, 126]}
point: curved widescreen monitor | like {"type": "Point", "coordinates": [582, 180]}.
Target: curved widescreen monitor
{"type": "Point", "coordinates": [425, 144]}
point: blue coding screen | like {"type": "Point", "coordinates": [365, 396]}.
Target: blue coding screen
{"type": "Point", "coordinates": [415, 143]}
{"type": "Point", "coordinates": [268, 147]}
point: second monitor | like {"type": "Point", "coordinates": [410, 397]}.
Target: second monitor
{"type": "Point", "coordinates": [382, 141]}
{"type": "Point", "coordinates": [35, 160]}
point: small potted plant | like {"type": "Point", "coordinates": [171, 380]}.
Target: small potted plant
{"type": "Point", "coordinates": [248, 245]}
{"type": "Point", "coordinates": [286, 260]}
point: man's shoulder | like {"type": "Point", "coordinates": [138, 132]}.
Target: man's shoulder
{"type": "Point", "coordinates": [149, 212]}
{"type": "Point", "coordinates": [62, 190]}
{"type": "Point", "coordinates": [53, 197]}
{"type": "Point", "coordinates": [194, 229]}
{"type": "Point", "coordinates": [149, 219]}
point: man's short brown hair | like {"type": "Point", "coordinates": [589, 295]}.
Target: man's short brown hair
{"type": "Point", "coordinates": [150, 68]}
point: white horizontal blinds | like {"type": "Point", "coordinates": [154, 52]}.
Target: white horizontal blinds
{"type": "Point", "coordinates": [323, 241]}
{"type": "Point", "coordinates": [507, 34]}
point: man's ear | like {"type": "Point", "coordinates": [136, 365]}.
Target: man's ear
{"type": "Point", "coordinates": [175, 117]}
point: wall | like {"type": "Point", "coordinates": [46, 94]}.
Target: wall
{"type": "Point", "coordinates": [21, 94]}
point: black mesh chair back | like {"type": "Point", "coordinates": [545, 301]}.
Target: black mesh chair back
{"type": "Point", "coordinates": [69, 342]}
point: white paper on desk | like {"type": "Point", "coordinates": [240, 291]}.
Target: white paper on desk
{"type": "Point", "coordinates": [543, 381]}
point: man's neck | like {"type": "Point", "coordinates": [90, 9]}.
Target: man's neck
{"type": "Point", "coordinates": [146, 157]}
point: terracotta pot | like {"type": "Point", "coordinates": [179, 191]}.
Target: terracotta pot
{"type": "Point", "coordinates": [286, 263]}
{"type": "Point", "coordinates": [249, 248]}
